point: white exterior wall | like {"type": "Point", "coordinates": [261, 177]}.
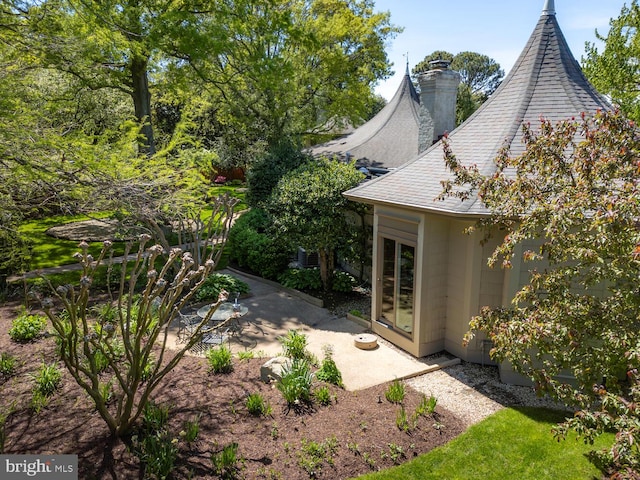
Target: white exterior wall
{"type": "Point", "coordinates": [434, 270]}
{"type": "Point", "coordinates": [490, 294]}
{"type": "Point", "coordinates": [462, 284]}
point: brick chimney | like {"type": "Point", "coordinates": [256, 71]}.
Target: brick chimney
{"type": "Point", "coordinates": [438, 93]}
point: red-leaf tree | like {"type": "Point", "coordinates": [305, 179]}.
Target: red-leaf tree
{"type": "Point", "coordinates": [575, 193]}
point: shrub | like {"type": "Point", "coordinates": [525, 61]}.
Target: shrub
{"type": "Point", "coordinates": [216, 282]}
{"type": "Point", "coordinates": [154, 417]}
{"type": "Point", "coordinates": [402, 421]}
{"type": "Point", "coordinates": [257, 406]}
{"type": "Point", "coordinates": [226, 463]}
{"type": "Point", "coordinates": [301, 279]}
{"type": "Point", "coordinates": [158, 453]}
{"type": "Point", "coordinates": [47, 380]}
{"type": "Point", "coordinates": [313, 454]}
{"type": "Point", "coordinates": [343, 282]}
{"type": "Point", "coordinates": [251, 245]}
{"type": "Point", "coordinates": [191, 430]}
{"type": "Point", "coordinates": [323, 396]}
{"type": "Point", "coordinates": [295, 383]}
{"type": "Point", "coordinates": [26, 327]}
{"type": "Point", "coordinates": [147, 369]}
{"type": "Point", "coordinates": [395, 392]}
{"type": "Point", "coordinates": [427, 405]}
{"type": "Point", "coordinates": [329, 371]}
{"type": "Point", "coordinates": [7, 365]}
{"type": "Point", "coordinates": [246, 355]}
{"type": "Point", "coordinates": [143, 320]}
{"type": "Point", "coordinates": [154, 446]}
{"type": "Point", "coordinates": [267, 170]}
{"type": "Point", "coordinates": [220, 359]}
{"type": "Point", "coordinates": [294, 345]}
{"type": "Point", "coordinates": [38, 401]}
{"type": "Point", "coordinates": [106, 391]}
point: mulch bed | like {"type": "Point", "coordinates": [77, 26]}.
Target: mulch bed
{"type": "Point", "coordinates": [362, 424]}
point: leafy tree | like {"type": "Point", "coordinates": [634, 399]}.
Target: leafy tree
{"type": "Point", "coordinates": [479, 72]}
{"type": "Point", "coordinates": [308, 208]}
{"type": "Point", "coordinates": [574, 192]}
{"type": "Point", "coordinates": [267, 170]}
{"type": "Point", "coordinates": [120, 46]}
{"type": "Point", "coordinates": [14, 248]}
{"type": "Point", "coordinates": [120, 351]}
{"type": "Point", "coordinates": [616, 70]}
{"type": "Point", "coordinates": [480, 77]}
{"type": "Point", "coordinates": [294, 67]}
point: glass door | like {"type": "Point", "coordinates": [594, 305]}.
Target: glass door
{"type": "Point", "coordinates": [397, 285]}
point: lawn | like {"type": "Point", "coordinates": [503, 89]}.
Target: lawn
{"type": "Point", "coordinates": [513, 443]}
{"type": "Point", "coordinates": [48, 251]}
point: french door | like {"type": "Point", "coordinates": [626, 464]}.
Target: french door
{"type": "Point", "coordinates": [397, 286]}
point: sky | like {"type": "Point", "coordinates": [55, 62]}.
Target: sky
{"type": "Point", "coordinates": [496, 28]}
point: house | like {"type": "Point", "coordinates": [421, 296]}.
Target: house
{"type": "Point", "coordinates": [429, 277]}
{"type": "Point", "coordinates": [404, 127]}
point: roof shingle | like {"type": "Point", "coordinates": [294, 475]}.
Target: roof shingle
{"type": "Point", "coordinates": [388, 140]}
{"type": "Point", "coordinates": [546, 81]}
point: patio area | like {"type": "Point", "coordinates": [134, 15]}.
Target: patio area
{"type": "Point", "coordinates": [273, 311]}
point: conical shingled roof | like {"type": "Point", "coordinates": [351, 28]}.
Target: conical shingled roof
{"type": "Point", "coordinates": [546, 81]}
{"type": "Point", "coordinates": [388, 140]}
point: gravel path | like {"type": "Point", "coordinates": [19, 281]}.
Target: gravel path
{"type": "Point", "coordinates": [473, 392]}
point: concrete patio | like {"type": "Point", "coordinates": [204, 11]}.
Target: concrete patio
{"type": "Point", "coordinates": [274, 311]}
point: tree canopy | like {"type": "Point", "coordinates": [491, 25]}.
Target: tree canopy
{"type": "Point", "coordinates": [87, 87]}
{"type": "Point", "coordinates": [615, 71]}
{"type": "Point", "coordinates": [575, 194]}
{"type": "Point", "coordinates": [308, 208]}
{"type": "Point", "coordinates": [480, 77]}
{"type": "Point", "coordinates": [280, 66]}
{"type": "Point", "coordinates": [294, 68]}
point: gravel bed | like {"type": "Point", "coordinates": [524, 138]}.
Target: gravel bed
{"type": "Point", "coordinates": [473, 392]}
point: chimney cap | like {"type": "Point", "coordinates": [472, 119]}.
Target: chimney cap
{"type": "Point", "coordinates": [549, 8]}
{"type": "Point", "coordinates": [439, 64]}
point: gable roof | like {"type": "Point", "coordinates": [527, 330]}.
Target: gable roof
{"type": "Point", "coordinates": [388, 140]}
{"type": "Point", "coordinates": [546, 81]}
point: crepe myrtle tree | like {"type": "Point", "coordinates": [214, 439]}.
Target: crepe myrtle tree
{"type": "Point", "coordinates": [118, 354]}
{"type": "Point", "coordinates": [575, 192]}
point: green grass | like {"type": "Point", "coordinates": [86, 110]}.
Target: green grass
{"type": "Point", "coordinates": [49, 251]}
{"type": "Point", "coordinates": [238, 192]}
{"type": "Point", "coordinates": [513, 443]}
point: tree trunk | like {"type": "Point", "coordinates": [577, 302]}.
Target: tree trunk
{"type": "Point", "coordinates": [325, 258]}
{"type": "Point", "coordinates": [142, 102]}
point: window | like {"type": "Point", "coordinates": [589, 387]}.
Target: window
{"type": "Point", "coordinates": [397, 288]}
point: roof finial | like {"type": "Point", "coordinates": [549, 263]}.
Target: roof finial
{"type": "Point", "coordinates": [549, 8]}
{"type": "Point", "coordinates": [407, 70]}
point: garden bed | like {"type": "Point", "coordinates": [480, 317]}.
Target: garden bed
{"type": "Point", "coordinates": [356, 433]}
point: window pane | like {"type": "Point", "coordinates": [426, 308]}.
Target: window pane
{"type": "Point", "coordinates": [404, 314]}
{"type": "Point", "coordinates": [388, 280]}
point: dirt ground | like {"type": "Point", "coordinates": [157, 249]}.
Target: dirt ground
{"type": "Point", "coordinates": [361, 424]}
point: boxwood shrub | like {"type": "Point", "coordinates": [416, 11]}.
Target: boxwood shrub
{"type": "Point", "coordinates": [251, 245]}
